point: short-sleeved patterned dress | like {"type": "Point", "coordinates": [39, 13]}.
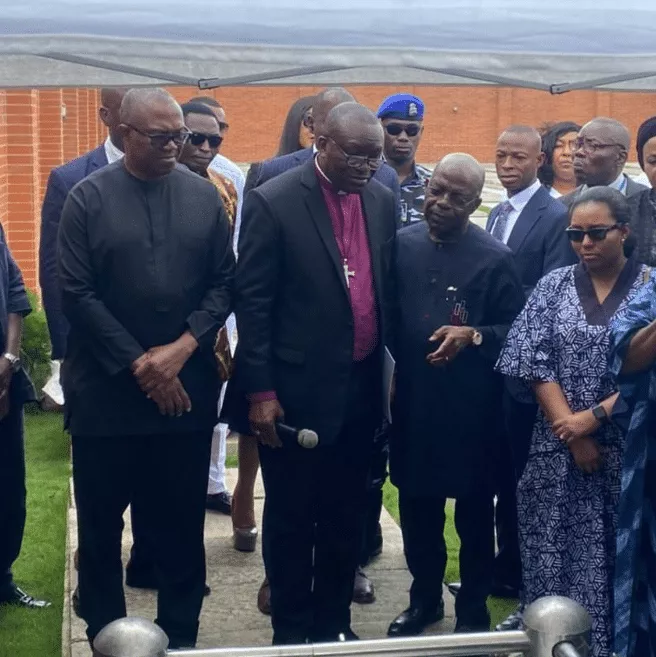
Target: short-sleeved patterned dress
{"type": "Point", "coordinates": [567, 518]}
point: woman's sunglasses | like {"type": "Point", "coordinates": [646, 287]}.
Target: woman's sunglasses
{"type": "Point", "coordinates": [395, 129]}
{"type": "Point", "coordinates": [198, 138]}
{"type": "Point", "coordinates": [595, 234]}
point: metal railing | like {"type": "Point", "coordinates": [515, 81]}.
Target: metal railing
{"type": "Point", "coordinates": [554, 627]}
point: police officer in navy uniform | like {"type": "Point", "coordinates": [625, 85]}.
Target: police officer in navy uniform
{"type": "Point", "coordinates": [402, 116]}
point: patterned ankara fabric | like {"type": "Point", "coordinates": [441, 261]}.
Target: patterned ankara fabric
{"type": "Point", "coordinates": [635, 575]}
{"type": "Point", "coordinates": [228, 194]}
{"type": "Point", "coordinates": [567, 518]}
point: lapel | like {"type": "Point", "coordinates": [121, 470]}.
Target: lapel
{"type": "Point", "coordinates": [490, 218]}
{"type": "Point", "coordinates": [633, 188]}
{"type": "Point", "coordinates": [529, 217]}
{"type": "Point", "coordinates": [319, 212]}
{"type": "Point", "coordinates": [97, 159]}
{"type": "Point", "coordinates": [376, 236]}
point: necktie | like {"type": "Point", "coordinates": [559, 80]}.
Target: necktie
{"type": "Point", "coordinates": [501, 223]}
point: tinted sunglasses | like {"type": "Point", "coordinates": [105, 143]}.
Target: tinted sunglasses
{"type": "Point", "coordinates": [595, 234]}
{"type": "Point", "coordinates": [198, 138]}
{"type": "Point", "coordinates": [395, 129]}
{"type": "Point", "coordinates": [160, 140]}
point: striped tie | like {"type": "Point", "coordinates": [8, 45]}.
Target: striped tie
{"type": "Point", "coordinates": [501, 223]}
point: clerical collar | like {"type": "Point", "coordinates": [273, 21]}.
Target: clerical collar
{"type": "Point", "coordinates": [325, 180]}
{"type": "Point", "coordinates": [112, 153]}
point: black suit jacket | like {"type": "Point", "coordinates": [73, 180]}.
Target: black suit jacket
{"type": "Point", "coordinates": [538, 239]}
{"type": "Point", "coordinates": [632, 188]}
{"type": "Point", "coordinates": [292, 304]}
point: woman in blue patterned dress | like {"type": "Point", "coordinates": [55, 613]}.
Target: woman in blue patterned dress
{"type": "Point", "coordinates": [633, 360]}
{"type": "Point", "coordinates": [567, 496]}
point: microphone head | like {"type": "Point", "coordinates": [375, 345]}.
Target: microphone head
{"type": "Point", "coordinates": [308, 438]}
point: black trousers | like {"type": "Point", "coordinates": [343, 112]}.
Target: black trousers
{"type": "Point", "coordinates": [12, 492]}
{"type": "Point", "coordinates": [166, 476]}
{"type": "Point", "coordinates": [422, 525]}
{"type": "Point", "coordinates": [519, 420]}
{"type": "Point", "coordinates": [374, 505]}
{"type": "Point", "coordinates": [313, 522]}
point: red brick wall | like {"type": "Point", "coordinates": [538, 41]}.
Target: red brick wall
{"type": "Point", "coordinates": [35, 136]}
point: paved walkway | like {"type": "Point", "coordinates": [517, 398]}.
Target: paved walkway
{"type": "Point", "coordinates": [230, 616]}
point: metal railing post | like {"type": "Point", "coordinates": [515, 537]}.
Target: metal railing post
{"type": "Point", "coordinates": [553, 620]}
{"type": "Point", "coordinates": [131, 637]}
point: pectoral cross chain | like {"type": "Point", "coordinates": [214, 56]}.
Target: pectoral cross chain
{"type": "Point", "coordinates": [348, 274]}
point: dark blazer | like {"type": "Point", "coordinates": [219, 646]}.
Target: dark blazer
{"type": "Point", "coordinates": [538, 240]}
{"type": "Point", "coordinates": [632, 188]}
{"type": "Point", "coordinates": [61, 180]}
{"type": "Point", "coordinates": [292, 304]}
{"type": "Point", "coordinates": [277, 165]}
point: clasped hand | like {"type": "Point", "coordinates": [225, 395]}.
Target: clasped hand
{"type": "Point", "coordinates": [574, 430]}
{"type": "Point", "coordinates": [157, 372]}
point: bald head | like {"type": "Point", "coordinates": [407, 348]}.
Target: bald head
{"type": "Point", "coordinates": [529, 135]}
{"type": "Point", "coordinates": [139, 103]}
{"type": "Point", "coordinates": [611, 129]}
{"type": "Point", "coordinates": [325, 101]}
{"type": "Point", "coordinates": [347, 119]}
{"type": "Point", "coordinates": [466, 168]}
{"type": "Point", "coordinates": [109, 112]}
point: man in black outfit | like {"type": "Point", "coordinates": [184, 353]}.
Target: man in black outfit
{"type": "Point", "coordinates": [312, 309]}
{"type": "Point", "coordinates": [146, 269]}
{"type": "Point", "coordinates": [15, 390]}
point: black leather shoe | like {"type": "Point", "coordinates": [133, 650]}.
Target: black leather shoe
{"type": "Point", "coordinates": [221, 502]}
{"type": "Point", "coordinates": [513, 622]}
{"type": "Point", "coordinates": [454, 587]}
{"type": "Point", "coordinates": [504, 591]}
{"type": "Point", "coordinates": [414, 620]}
{"type": "Point", "coordinates": [363, 589]}
{"type": "Point", "coordinates": [18, 598]}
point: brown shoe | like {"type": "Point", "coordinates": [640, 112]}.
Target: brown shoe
{"type": "Point", "coordinates": [264, 598]}
{"type": "Point", "coordinates": [363, 589]}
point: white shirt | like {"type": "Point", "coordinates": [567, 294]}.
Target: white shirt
{"type": "Point", "coordinates": [554, 193]}
{"type": "Point", "coordinates": [232, 172]}
{"type": "Point", "coordinates": [112, 153]}
{"type": "Point", "coordinates": [518, 202]}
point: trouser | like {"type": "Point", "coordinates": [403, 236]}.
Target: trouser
{"type": "Point", "coordinates": [422, 525]}
{"type": "Point", "coordinates": [12, 492]}
{"type": "Point", "coordinates": [165, 476]}
{"type": "Point", "coordinates": [313, 521]}
{"type": "Point", "coordinates": [512, 458]}
{"type": "Point", "coordinates": [374, 505]}
{"type": "Point", "coordinates": [217, 482]}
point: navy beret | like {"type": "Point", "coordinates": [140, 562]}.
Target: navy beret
{"type": "Point", "coordinates": [405, 107]}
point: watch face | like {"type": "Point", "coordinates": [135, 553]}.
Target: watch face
{"type": "Point", "coordinates": [477, 339]}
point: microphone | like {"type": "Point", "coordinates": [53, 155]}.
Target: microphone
{"type": "Point", "coordinates": [304, 437]}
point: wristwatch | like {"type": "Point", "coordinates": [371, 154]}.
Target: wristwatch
{"type": "Point", "coordinates": [600, 413]}
{"type": "Point", "coordinates": [477, 338]}
{"type": "Point", "coordinates": [14, 360]}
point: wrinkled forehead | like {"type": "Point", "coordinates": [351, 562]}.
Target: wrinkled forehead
{"type": "Point", "coordinates": [455, 178]}
{"type": "Point", "coordinates": [601, 132]}
{"type": "Point", "coordinates": [354, 136]}
{"type": "Point", "coordinates": [157, 116]}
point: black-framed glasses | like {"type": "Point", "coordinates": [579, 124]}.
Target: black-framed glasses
{"type": "Point", "coordinates": [395, 129]}
{"type": "Point", "coordinates": [198, 138]}
{"type": "Point", "coordinates": [595, 234]}
{"type": "Point", "coordinates": [588, 146]}
{"type": "Point", "coordinates": [160, 140]}
{"type": "Point", "coordinates": [358, 161]}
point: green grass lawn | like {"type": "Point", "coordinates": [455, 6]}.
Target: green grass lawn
{"type": "Point", "coordinates": [40, 567]}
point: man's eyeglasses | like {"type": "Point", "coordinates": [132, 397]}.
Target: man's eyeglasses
{"type": "Point", "coordinates": [358, 161]}
{"type": "Point", "coordinates": [588, 146]}
{"type": "Point", "coordinates": [160, 140]}
{"type": "Point", "coordinates": [198, 138]}
{"type": "Point", "coordinates": [395, 129]}
{"type": "Point", "coordinates": [595, 234]}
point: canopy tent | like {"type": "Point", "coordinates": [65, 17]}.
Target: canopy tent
{"type": "Point", "coordinates": [556, 46]}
